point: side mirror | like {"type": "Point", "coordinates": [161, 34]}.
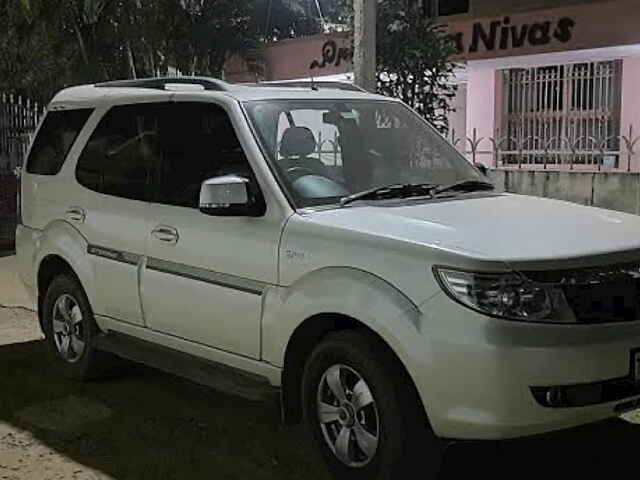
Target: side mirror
{"type": "Point", "coordinates": [227, 196]}
{"type": "Point", "coordinates": [483, 168]}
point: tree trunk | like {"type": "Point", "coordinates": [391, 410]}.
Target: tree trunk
{"type": "Point", "coordinates": [132, 65]}
{"type": "Point", "coordinates": [194, 63]}
{"type": "Point", "coordinates": [151, 59]}
{"type": "Point", "coordinates": [83, 49]}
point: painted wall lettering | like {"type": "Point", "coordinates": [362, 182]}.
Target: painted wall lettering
{"type": "Point", "coordinates": [332, 55]}
{"type": "Point", "coordinates": [564, 30]}
{"type": "Point", "coordinates": [481, 35]}
{"type": "Point", "coordinates": [504, 35]}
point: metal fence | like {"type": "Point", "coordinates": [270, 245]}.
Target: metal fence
{"type": "Point", "coordinates": [18, 120]}
{"type": "Point", "coordinates": [558, 153]}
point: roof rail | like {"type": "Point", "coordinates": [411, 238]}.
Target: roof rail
{"type": "Point", "coordinates": [159, 83]}
{"type": "Point", "coordinates": [310, 85]}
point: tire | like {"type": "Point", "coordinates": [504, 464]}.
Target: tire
{"type": "Point", "coordinates": [76, 330]}
{"type": "Point", "coordinates": [405, 446]}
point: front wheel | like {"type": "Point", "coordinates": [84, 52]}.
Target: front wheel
{"type": "Point", "coordinates": [364, 413]}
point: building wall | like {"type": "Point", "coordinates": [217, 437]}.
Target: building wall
{"type": "Point", "coordinates": [630, 114]}
{"type": "Point", "coordinates": [484, 108]}
{"type": "Point", "coordinates": [499, 7]}
{"type": "Point", "coordinates": [318, 55]}
{"type": "Point", "coordinates": [558, 29]}
{"type": "Point", "coordinates": [481, 109]}
{"type": "Point", "coordinates": [458, 118]}
{"type": "Point", "coordinates": [592, 39]}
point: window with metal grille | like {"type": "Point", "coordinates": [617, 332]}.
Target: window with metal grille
{"type": "Point", "coordinates": [562, 114]}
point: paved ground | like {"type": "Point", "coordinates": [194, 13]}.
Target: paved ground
{"type": "Point", "coordinates": [146, 425]}
{"type": "Point", "coordinates": [12, 293]}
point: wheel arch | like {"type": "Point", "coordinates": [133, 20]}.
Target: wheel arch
{"type": "Point", "coordinates": [62, 249]}
{"type": "Point", "coordinates": [296, 317]}
{"type": "Point", "coordinates": [305, 338]}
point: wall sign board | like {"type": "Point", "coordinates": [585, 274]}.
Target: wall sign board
{"type": "Point", "coordinates": [576, 27]}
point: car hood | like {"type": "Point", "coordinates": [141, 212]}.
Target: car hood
{"type": "Point", "coordinates": [506, 228]}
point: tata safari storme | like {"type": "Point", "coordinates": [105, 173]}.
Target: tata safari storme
{"type": "Point", "coordinates": [328, 245]}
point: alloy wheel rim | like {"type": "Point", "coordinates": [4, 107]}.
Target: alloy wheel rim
{"type": "Point", "coordinates": [348, 416]}
{"type": "Point", "coordinates": [68, 328]}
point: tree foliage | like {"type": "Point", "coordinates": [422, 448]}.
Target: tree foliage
{"type": "Point", "coordinates": [49, 44]}
{"type": "Point", "coordinates": [282, 19]}
{"type": "Point", "coordinates": [413, 61]}
{"type": "Point", "coordinates": [413, 55]}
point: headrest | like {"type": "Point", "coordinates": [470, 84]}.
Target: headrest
{"type": "Point", "coordinates": [297, 141]}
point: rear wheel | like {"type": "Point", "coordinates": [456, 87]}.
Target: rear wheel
{"type": "Point", "coordinates": [71, 331]}
{"type": "Point", "coordinates": [364, 414]}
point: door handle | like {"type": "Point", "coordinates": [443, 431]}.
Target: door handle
{"type": "Point", "coordinates": [76, 214]}
{"type": "Point", "coordinates": [165, 234]}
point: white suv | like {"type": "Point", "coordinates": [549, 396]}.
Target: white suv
{"type": "Point", "coordinates": [329, 245]}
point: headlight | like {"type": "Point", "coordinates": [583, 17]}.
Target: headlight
{"type": "Point", "coordinates": [507, 295]}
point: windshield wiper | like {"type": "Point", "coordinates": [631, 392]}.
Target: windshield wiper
{"type": "Point", "coordinates": [399, 190]}
{"type": "Point", "coordinates": [396, 190]}
{"type": "Point", "coordinates": [464, 186]}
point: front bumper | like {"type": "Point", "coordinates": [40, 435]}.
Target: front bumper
{"type": "Point", "coordinates": [476, 374]}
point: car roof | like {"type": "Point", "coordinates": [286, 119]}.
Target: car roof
{"type": "Point", "coordinates": [157, 89]}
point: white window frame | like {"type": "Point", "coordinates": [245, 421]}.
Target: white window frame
{"type": "Point", "coordinates": [566, 114]}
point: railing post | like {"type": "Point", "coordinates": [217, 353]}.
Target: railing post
{"type": "Point", "coordinates": [545, 154]}
{"type": "Point", "coordinates": [474, 149]}
{"type": "Point", "coordinates": [474, 143]}
{"type": "Point", "coordinates": [630, 144]}
{"type": "Point", "coordinates": [495, 146]}
{"type": "Point", "coordinates": [520, 154]}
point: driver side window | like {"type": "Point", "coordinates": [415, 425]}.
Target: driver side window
{"type": "Point", "coordinates": [198, 142]}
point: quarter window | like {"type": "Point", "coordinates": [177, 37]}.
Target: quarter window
{"type": "Point", "coordinates": [54, 140]}
{"type": "Point", "coordinates": [121, 152]}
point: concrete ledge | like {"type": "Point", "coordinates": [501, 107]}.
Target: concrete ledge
{"type": "Point", "coordinates": [613, 190]}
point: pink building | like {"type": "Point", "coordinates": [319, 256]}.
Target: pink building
{"type": "Point", "coordinates": [543, 84]}
{"type": "Point", "coordinates": [552, 87]}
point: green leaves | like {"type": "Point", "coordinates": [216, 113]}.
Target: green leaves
{"type": "Point", "coordinates": [413, 61]}
{"type": "Point", "coordinates": [91, 10]}
{"type": "Point", "coordinates": [26, 10]}
{"type": "Point", "coordinates": [50, 44]}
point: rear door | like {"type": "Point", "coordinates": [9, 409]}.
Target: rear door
{"type": "Point", "coordinates": [115, 169]}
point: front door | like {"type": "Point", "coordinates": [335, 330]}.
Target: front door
{"type": "Point", "coordinates": [205, 276]}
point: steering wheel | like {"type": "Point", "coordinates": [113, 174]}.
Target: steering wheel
{"type": "Point", "coordinates": [298, 171]}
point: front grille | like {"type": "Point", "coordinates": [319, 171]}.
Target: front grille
{"type": "Point", "coordinates": [598, 295]}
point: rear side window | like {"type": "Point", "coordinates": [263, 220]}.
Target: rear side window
{"type": "Point", "coordinates": [54, 140]}
{"type": "Point", "coordinates": [121, 152]}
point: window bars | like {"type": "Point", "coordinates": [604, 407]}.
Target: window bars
{"type": "Point", "coordinates": [562, 114]}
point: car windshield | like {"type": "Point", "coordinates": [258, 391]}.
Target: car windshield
{"type": "Point", "coordinates": [326, 150]}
